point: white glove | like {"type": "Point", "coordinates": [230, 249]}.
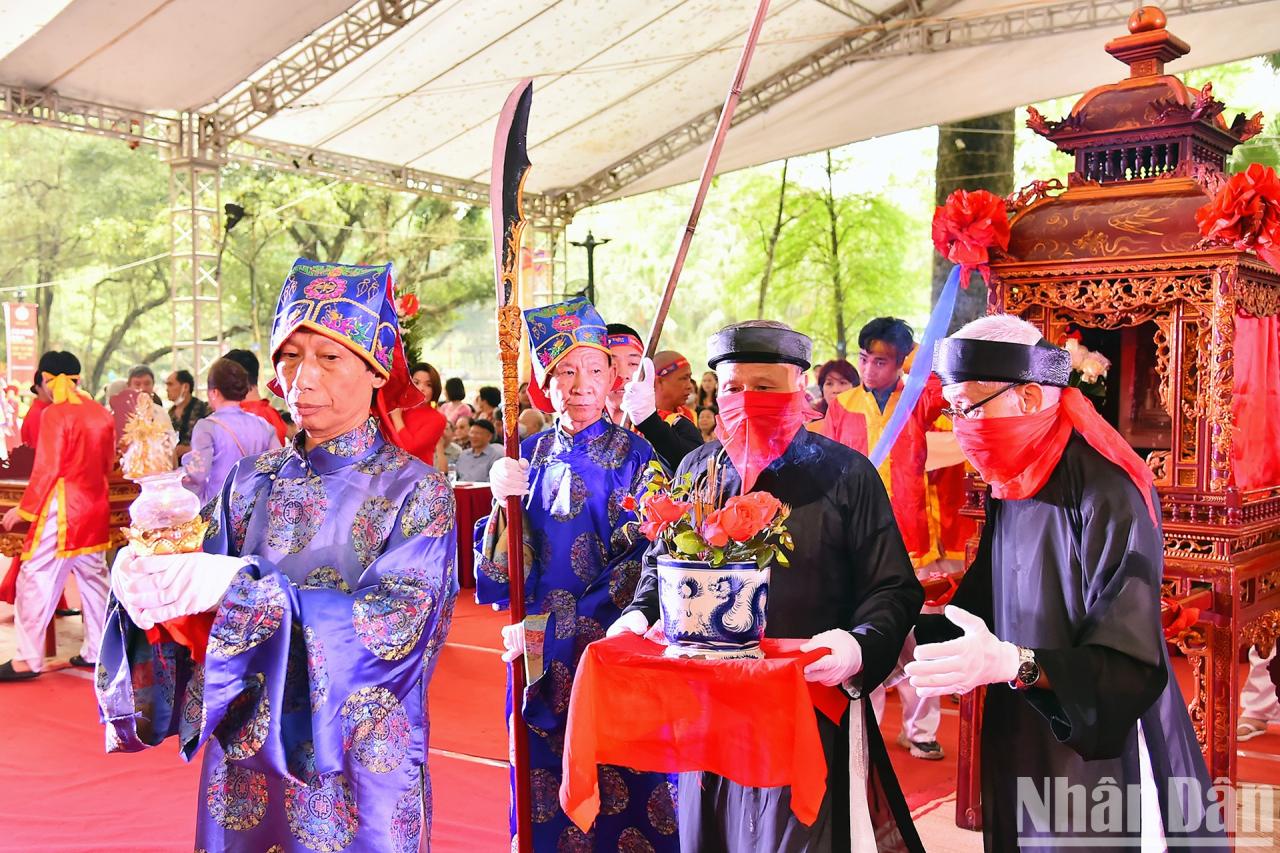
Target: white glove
{"type": "Point", "coordinates": [959, 665]}
{"type": "Point", "coordinates": [639, 400]}
{"type": "Point", "coordinates": [157, 589]}
{"type": "Point", "coordinates": [843, 663]}
{"type": "Point", "coordinates": [634, 622]}
{"type": "Point", "coordinates": [512, 641]}
{"type": "Point", "coordinates": [119, 571]}
{"type": "Point", "coordinates": [509, 478]}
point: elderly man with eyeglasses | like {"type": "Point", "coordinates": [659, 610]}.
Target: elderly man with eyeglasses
{"type": "Point", "coordinates": [1059, 614]}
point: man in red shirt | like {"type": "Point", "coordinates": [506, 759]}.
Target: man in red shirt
{"type": "Point", "coordinates": [74, 454]}
{"type": "Point", "coordinates": [31, 421]}
{"type": "Point", "coordinates": [254, 404]}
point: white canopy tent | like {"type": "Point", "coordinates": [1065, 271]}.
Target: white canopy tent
{"type": "Point", "coordinates": [404, 93]}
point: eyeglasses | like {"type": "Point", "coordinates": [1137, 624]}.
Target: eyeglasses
{"type": "Point", "coordinates": [955, 414]}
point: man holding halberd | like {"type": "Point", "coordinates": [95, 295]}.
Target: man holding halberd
{"type": "Point", "coordinates": [582, 560]}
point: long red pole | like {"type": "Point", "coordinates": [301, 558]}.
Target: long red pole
{"type": "Point", "coordinates": [708, 172]}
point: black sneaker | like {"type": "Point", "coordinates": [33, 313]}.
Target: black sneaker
{"type": "Point", "coordinates": [929, 750]}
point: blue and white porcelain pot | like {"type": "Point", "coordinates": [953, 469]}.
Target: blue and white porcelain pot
{"type": "Point", "coordinates": [712, 612]}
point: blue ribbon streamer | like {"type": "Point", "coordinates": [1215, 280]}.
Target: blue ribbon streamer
{"type": "Point", "coordinates": [920, 368]}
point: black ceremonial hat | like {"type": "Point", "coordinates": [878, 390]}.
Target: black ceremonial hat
{"type": "Point", "coordinates": [972, 360]}
{"type": "Point", "coordinates": [759, 345]}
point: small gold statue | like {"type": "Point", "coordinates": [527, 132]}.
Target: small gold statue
{"type": "Point", "coordinates": [166, 517]}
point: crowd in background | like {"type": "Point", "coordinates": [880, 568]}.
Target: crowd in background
{"type": "Point", "coordinates": [450, 431]}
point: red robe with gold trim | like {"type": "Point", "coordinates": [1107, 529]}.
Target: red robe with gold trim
{"type": "Point", "coordinates": [855, 420]}
{"type": "Point", "coordinates": [74, 455]}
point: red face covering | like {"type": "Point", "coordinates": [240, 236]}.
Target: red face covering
{"type": "Point", "coordinates": [755, 428]}
{"type": "Point", "coordinates": [1016, 455]}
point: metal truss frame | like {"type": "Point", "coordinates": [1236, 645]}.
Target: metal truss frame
{"type": "Point", "coordinates": [195, 240]}
{"type": "Point", "coordinates": [757, 99]}
{"type": "Point", "coordinates": [195, 233]}
{"type": "Point", "coordinates": [278, 155]}
{"type": "Point", "coordinates": [319, 57]}
{"type": "Point", "coordinates": [49, 109]}
{"type": "Point", "coordinates": [173, 134]}
{"type": "Point", "coordinates": [908, 28]}
{"type": "Point", "coordinates": [850, 9]}
{"type": "Point", "coordinates": [198, 145]}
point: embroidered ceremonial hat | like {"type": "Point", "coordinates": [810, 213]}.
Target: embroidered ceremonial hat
{"type": "Point", "coordinates": [556, 330]}
{"type": "Point", "coordinates": [778, 344]}
{"type": "Point", "coordinates": [354, 306]}
{"type": "Point", "coordinates": [972, 360]}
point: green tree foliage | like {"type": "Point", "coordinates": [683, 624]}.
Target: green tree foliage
{"type": "Point", "coordinates": [441, 250]}
{"type": "Point", "coordinates": [840, 259]}
{"type": "Point", "coordinates": [880, 263]}
{"type": "Point", "coordinates": [74, 207]}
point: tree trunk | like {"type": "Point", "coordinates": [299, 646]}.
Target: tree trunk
{"type": "Point", "coordinates": [972, 154]}
{"type": "Point", "coordinates": [113, 341]}
{"type": "Point", "coordinates": [771, 246]}
{"type": "Point", "coordinates": [837, 285]}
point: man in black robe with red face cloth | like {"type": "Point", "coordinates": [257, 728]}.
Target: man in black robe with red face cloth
{"type": "Point", "coordinates": [849, 587]}
{"type": "Point", "coordinates": [1085, 736]}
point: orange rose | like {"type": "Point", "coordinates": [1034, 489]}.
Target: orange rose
{"type": "Point", "coordinates": [763, 506]}
{"type": "Point", "coordinates": [712, 531]}
{"type": "Point", "coordinates": [660, 512]}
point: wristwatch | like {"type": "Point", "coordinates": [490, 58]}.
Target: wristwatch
{"type": "Point", "coordinates": [1028, 670]}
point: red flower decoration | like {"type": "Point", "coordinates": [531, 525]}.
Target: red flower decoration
{"type": "Point", "coordinates": [407, 305]}
{"type": "Point", "coordinates": [1246, 213]}
{"type": "Point", "coordinates": [741, 518]}
{"type": "Point", "coordinates": [629, 503]}
{"type": "Point", "coordinates": [1180, 620]}
{"type": "Point", "coordinates": [660, 512]}
{"type": "Point", "coordinates": [967, 227]}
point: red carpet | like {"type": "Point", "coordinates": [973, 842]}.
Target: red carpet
{"type": "Point", "coordinates": [60, 792]}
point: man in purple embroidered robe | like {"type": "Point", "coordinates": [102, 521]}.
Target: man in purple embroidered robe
{"type": "Point", "coordinates": [582, 560]}
{"type": "Point", "coordinates": [329, 572]}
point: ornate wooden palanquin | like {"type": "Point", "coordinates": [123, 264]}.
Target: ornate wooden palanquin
{"type": "Point", "coordinates": [1117, 254]}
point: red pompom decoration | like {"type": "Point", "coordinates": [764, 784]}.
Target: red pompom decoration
{"type": "Point", "coordinates": [1246, 213]}
{"type": "Point", "coordinates": [967, 227]}
{"type": "Point", "coordinates": [407, 305]}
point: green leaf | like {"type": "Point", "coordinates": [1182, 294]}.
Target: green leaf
{"type": "Point", "coordinates": [782, 559]}
{"type": "Point", "coordinates": [764, 557]}
{"type": "Point", "coordinates": [689, 542]}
